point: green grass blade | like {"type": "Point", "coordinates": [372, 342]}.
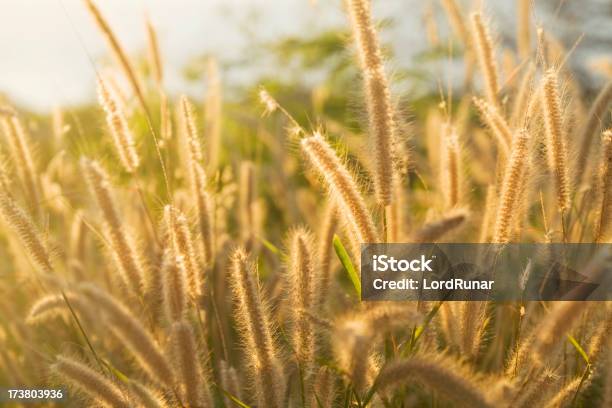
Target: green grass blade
{"type": "Point", "coordinates": [579, 348]}
{"type": "Point", "coordinates": [233, 398]}
{"type": "Point", "coordinates": [418, 331]}
{"type": "Point", "coordinates": [80, 327]}
{"type": "Point", "coordinates": [270, 246]}
{"type": "Point", "coordinates": [319, 404]}
{"type": "Point", "coordinates": [345, 260]}
{"type": "Point", "coordinates": [118, 374]}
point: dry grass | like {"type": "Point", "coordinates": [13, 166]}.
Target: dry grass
{"type": "Point", "coordinates": [163, 281]}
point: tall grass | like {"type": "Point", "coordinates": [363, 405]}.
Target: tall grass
{"type": "Point", "coordinates": [237, 284]}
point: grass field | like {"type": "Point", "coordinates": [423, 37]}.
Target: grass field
{"type": "Point", "coordinates": [162, 251]}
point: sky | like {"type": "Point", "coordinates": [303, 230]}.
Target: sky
{"type": "Point", "coordinates": [49, 49]}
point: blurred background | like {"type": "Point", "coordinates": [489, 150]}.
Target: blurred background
{"type": "Point", "coordinates": [49, 50]}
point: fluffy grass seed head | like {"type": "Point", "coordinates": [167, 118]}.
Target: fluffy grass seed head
{"type": "Point", "coordinates": [191, 131]}
{"type": "Point", "coordinates": [303, 291]}
{"type": "Point", "coordinates": [118, 52]}
{"type": "Point", "coordinates": [24, 228]}
{"type": "Point", "coordinates": [53, 305]}
{"type": "Point", "coordinates": [100, 389]}
{"type": "Point", "coordinates": [378, 99]}
{"type": "Point", "coordinates": [485, 52]}
{"type": "Point", "coordinates": [435, 230]}
{"type": "Point", "coordinates": [604, 223]}
{"type": "Point", "coordinates": [495, 121]}
{"type": "Point", "coordinates": [205, 215]}
{"type": "Point", "coordinates": [509, 190]}
{"type": "Point", "coordinates": [255, 328]}
{"type": "Point", "coordinates": [183, 246]}
{"type": "Point", "coordinates": [438, 373]}
{"type": "Point", "coordinates": [555, 145]}
{"type": "Point", "coordinates": [194, 388]}
{"type": "Point", "coordinates": [230, 381]}
{"type": "Point", "coordinates": [595, 119]}
{"type": "Point", "coordinates": [133, 334]}
{"type": "Point", "coordinates": [122, 247]}
{"type": "Point", "coordinates": [116, 120]}
{"type": "Point", "coordinates": [22, 157]}
{"type": "Point", "coordinates": [174, 286]}
{"type": "Point", "coordinates": [269, 103]}
{"type": "Point", "coordinates": [341, 185]}
{"type": "Point", "coordinates": [451, 174]}
{"type": "Point", "coordinates": [148, 397]}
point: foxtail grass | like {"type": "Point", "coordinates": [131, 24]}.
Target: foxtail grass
{"type": "Point", "coordinates": [174, 287]}
{"type": "Point", "coordinates": [118, 53]}
{"type": "Point", "coordinates": [378, 99]}
{"type": "Point", "coordinates": [562, 318]}
{"type": "Point", "coordinates": [598, 344]}
{"type": "Point", "coordinates": [130, 265]}
{"type": "Point", "coordinates": [23, 159]}
{"type": "Point", "coordinates": [195, 388]}
{"type": "Point", "coordinates": [523, 94]}
{"type": "Point", "coordinates": [564, 396]}
{"type": "Point", "coordinates": [183, 246]}
{"type": "Point", "coordinates": [78, 236]}
{"type": "Point", "coordinates": [324, 393]}
{"type": "Point", "coordinates": [512, 181]}
{"type": "Point", "coordinates": [198, 180]}
{"type": "Point", "coordinates": [434, 231]}
{"type": "Point", "coordinates": [353, 343]}
{"type": "Point", "coordinates": [194, 146]}
{"type": "Point", "coordinates": [440, 374]}
{"type": "Point", "coordinates": [485, 53]}
{"type": "Point", "coordinates": [23, 226]}
{"type": "Point", "coordinates": [555, 146]}
{"type": "Point", "coordinates": [204, 207]}
{"type": "Point", "coordinates": [495, 121]}
{"type": "Point", "coordinates": [535, 391]}
{"type": "Point", "coordinates": [100, 389]}
{"type": "Point", "coordinates": [324, 250]}
{"type": "Point", "coordinates": [448, 324]}
{"type": "Point", "coordinates": [303, 291]}
{"type": "Point", "coordinates": [256, 331]}
{"type": "Point", "coordinates": [133, 335]}
{"type": "Point", "coordinates": [53, 305]}
{"type": "Point", "coordinates": [230, 381]}
{"type": "Point", "coordinates": [119, 129]}
{"type": "Point", "coordinates": [489, 214]}
{"type": "Point", "coordinates": [148, 397]}
{"type": "Point", "coordinates": [604, 222]}
{"type": "Point", "coordinates": [451, 174]}
{"type": "Point", "coordinates": [341, 185]}
{"type": "Point", "coordinates": [472, 324]}
{"type": "Point", "coordinates": [595, 118]}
